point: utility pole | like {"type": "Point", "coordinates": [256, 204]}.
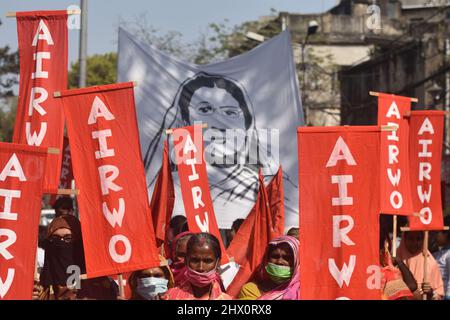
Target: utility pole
{"type": "Point", "coordinates": [82, 54]}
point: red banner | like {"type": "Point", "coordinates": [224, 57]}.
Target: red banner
{"type": "Point", "coordinates": [65, 180]}
{"type": "Point", "coordinates": [339, 210]}
{"type": "Point", "coordinates": [426, 134]}
{"type": "Point", "coordinates": [264, 223]}
{"type": "Point", "coordinates": [107, 163]}
{"type": "Point", "coordinates": [21, 181]}
{"type": "Point", "coordinates": [163, 199]}
{"type": "Point", "coordinates": [198, 205]}
{"type": "Point", "coordinates": [395, 192]}
{"type": "Point", "coordinates": [43, 70]}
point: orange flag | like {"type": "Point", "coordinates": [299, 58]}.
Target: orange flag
{"type": "Point", "coordinates": [264, 222]}
{"type": "Point", "coordinates": [163, 200]}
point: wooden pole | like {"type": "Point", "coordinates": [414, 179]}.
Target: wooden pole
{"type": "Point", "coordinates": [389, 128]}
{"type": "Point", "coordinates": [52, 150]}
{"type": "Point", "coordinates": [68, 192]}
{"type": "Point", "coordinates": [376, 94]}
{"type": "Point", "coordinates": [121, 287]}
{"type": "Point", "coordinates": [408, 229]}
{"type": "Point", "coordinates": [170, 131]}
{"type": "Point", "coordinates": [13, 14]}
{"type": "Point", "coordinates": [425, 256]}
{"type": "Point", "coordinates": [394, 236]}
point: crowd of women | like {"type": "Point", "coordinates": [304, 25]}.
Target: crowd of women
{"type": "Point", "coordinates": [190, 270]}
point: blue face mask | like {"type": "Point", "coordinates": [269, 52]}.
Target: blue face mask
{"type": "Point", "coordinates": [148, 288]}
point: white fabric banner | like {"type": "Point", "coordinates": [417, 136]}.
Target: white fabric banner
{"type": "Point", "coordinates": [255, 94]}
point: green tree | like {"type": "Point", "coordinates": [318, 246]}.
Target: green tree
{"type": "Point", "coordinates": [7, 119]}
{"type": "Point", "coordinates": [101, 69]}
{"type": "Point", "coordinates": [9, 72]}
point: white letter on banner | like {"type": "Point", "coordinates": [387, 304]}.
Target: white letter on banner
{"type": "Point", "coordinates": [114, 217]}
{"type": "Point", "coordinates": [343, 199]}
{"type": "Point", "coordinates": [104, 152]}
{"type": "Point", "coordinates": [393, 153]}
{"type": "Point", "coordinates": [425, 153]}
{"type": "Point", "coordinates": [6, 214]}
{"type": "Point", "coordinates": [4, 286]}
{"type": "Point", "coordinates": [33, 139]}
{"type": "Point", "coordinates": [340, 235]}
{"type": "Point", "coordinates": [98, 110]}
{"type": "Point", "coordinates": [108, 182]}
{"type": "Point", "coordinates": [189, 145]}
{"type": "Point", "coordinates": [426, 215]}
{"type": "Point", "coordinates": [204, 227]}
{"type": "Point", "coordinates": [39, 73]}
{"type": "Point", "coordinates": [423, 195]}
{"type": "Point", "coordinates": [343, 275]}
{"type": "Point", "coordinates": [396, 204]}
{"type": "Point", "coordinates": [192, 162]}
{"type": "Point", "coordinates": [119, 258]}
{"type": "Point", "coordinates": [395, 180]}
{"type": "Point", "coordinates": [393, 111]}
{"type": "Point", "coordinates": [42, 36]}
{"type": "Point", "coordinates": [11, 238]}
{"type": "Point", "coordinates": [393, 135]}
{"type": "Point", "coordinates": [424, 171]}
{"type": "Point", "coordinates": [426, 127]}
{"type": "Point", "coordinates": [197, 197]}
{"type": "Point", "coordinates": [35, 102]}
{"type": "Point", "coordinates": [13, 169]}
{"type": "Point", "coordinates": [340, 152]}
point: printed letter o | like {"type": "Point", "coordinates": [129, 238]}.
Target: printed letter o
{"type": "Point", "coordinates": [119, 258]}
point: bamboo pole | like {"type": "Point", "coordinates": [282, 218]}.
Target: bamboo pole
{"type": "Point", "coordinates": [68, 192]}
{"type": "Point", "coordinates": [71, 11]}
{"type": "Point", "coordinates": [52, 150]}
{"type": "Point", "coordinates": [389, 128]}
{"type": "Point", "coordinates": [376, 94]}
{"type": "Point", "coordinates": [394, 236]}
{"type": "Point", "coordinates": [409, 229]}
{"type": "Point", "coordinates": [121, 287]}
{"type": "Point", "coordinates": [425, 257]}
{"type": "Point", "coordinates": [170, 131]}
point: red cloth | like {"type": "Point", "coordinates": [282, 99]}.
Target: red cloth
{"type": "Point", "coordinates": [264, 223]}
{"type": "Point", "coordinates": [395, 193]}
{"type": "Point", "coordinates": [21, 182]}
{"type": "Point", "coordinates": [162, 202]}
{"type": "Point", "coordinates": [427, 130]}
{"type": "Point", "coordinates": [195, 188]}
{"type": "Point", "coordinates": [339, 206]}
{"type": "Point", "coordinates": [43, 46]}
{"type": "Point", "coordinates": [115, 216]}
{"type": "Point", "coordinates": [65, 180]}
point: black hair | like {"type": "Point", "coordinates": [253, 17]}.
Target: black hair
{"type": "Point", "coordinates": [205, 80]}
{"type": "Point", "coordinates": [178, 224]}
{"type": "Point", "coordinates": [65, 202]}
{"type": "Point", "coordinates": [198, 239]}
{"type": "Point", "coordinates": [408, 233]}
{"type": "Point", "coordinates": [237, 224]}
{"type": "Point", "coordinates": [293, 232]}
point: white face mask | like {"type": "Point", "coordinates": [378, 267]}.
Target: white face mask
{"type": "Point", "coordinates": [148, 288]}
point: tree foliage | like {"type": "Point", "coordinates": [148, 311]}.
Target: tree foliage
{"type": "Point", "coordinates": [9, 73]}
{"type": "Point", "coordinates": [101, 69]}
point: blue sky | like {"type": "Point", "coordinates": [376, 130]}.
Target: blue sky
{"type": "Point", "coordinates": [189, 17]}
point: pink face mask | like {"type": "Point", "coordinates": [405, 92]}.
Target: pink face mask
{"type": "Point", "coordinates": [201, 279]}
